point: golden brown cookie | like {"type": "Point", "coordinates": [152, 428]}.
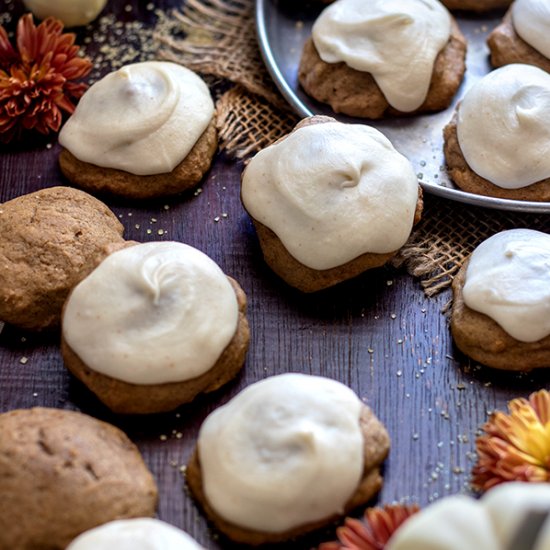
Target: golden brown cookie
{"type": "Point", "coordinates": [356, 93]}
{"type": "Point", "coordinates": [51, 240]}
{"type": "Point", "coordinates": [376, 447]}
{"type": "Point", "coordinates": [126, 398]}
{"type": "Point", "coordinates": [482, 339]}
{"type": "Point", "coordinates": [186, 175]}
{"type": "Point", "coordinates": [476, 5]}
{"type": "Point", "coordinates": [465, 178]}
{"type": "Point", "coordinates": [508, 47]}
{"type": "Point", "coordinates": [307, 279]}
{"type": "Point", "coordinates": [62, 473]}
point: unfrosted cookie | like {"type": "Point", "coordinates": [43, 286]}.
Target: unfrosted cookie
{"type": "Point", "coordinates": [146, 130]}
{"type": "Point", "coordinates": [364, 61]}
{"type": "Point", "coordinates": [522, 37]}
{"type": "Point", "coordinates": [135, 534]}
{"type": "Point", "coordinates": [501, 298]}
{"type": "Point", "coordinates": [62, 473]}
{"type": "Point", "coordinates": [476, 5]}
{"type": "Point", "coordinates": [330, 201]}
{"type": "Point", "coordinates": [51, 239]}
{"type": "Point", "coordinates": [153, 326]}
{"type": "Point", "coordinates": [498, 142]}
{"type": "Point", "coordinates": [287, 455]}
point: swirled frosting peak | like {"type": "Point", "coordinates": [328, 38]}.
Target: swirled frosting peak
{"type": "Point", "coordinates": [503, 126]}
{"type": "Point", "coordinates": [508, 279]}
{"type": "Point", "coordinates": [135, 534]}
{"type": "Point", "coordinates": [144, 118]}
{"type": "Point", "coordinates": [332, 192]}
{"type": "Point", "coordinates": [152, 313]}
{"type": "Point", "coordinates": [287, 450]}
{"type": "Point", "coordinates": [531, 19]}
{"type": "Point", "coordinates": [397, 41]}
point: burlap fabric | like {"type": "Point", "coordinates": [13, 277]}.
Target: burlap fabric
{"type": "Point", "coordinates": [218, 39]}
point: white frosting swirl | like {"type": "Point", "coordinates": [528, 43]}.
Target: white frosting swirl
{"type": "Point", "coordinates": [332, 192]}
{"type": "Point", "coordinates": [144, 118]}
{"type": "Point", "coordinates": [397, 41]}
{"type": "Point", "coordinates": [134, 534]}
{"type": "Point", "coordinates": [460, 522]}
{"type": "Point", "coordinates": [285, 451]}
{"type": "Point", "coordinates": [71, 12]}
{"type": "Point", "coordinates": [508, 279]}
{"type": "Point", "coordinates": [503, 126]}
{"type": "Point", "coordinates": [152, 313]}
{"type": "Point", "coordinates": [531, 19]}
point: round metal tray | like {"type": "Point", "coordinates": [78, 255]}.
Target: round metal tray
{"type": "Point", "coordinates": [283, 26]}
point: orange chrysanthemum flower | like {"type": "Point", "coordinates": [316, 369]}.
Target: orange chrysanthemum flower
{"type": "Point", "coordinates": [37, 80]}
{"type": "Point", "coordinates": [516, 446]}
{"type": "Point", "coordinates": [374, 532]}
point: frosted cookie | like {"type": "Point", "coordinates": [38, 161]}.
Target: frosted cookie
{"type": "Point", "coordinates": [476, 5]}
{"type": "Point", "coordinates": [153, 326]}
{"type": "Point", "coordinates": [62, 473]}
{"type": "Point", "coordinates": [498, 143]}
{"type": "Point", "coordinates": [330, 201]}
{"type": "Point", "coordinates": [51, 239]}
{"type": "Point", "coordinates": [72, 13]}
{"type": "Point", "coordinates": [383, 57]}
{"type": "Point", "coordinates": [135, 534]}
{"type": "Point", "coordinates": [501, 301]}
{"type": "Point", "coordinates": [287, 455]}
{"type": "Point", "coordinates": [491, 523]}
{"type": "Point", "coordinates": [522, 37]}
{"type": "Point", "coordinates": [146, 130]}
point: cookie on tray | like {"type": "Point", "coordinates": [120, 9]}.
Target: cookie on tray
{"type": "Point", "coordinates": [153, 326]}
{"type": "Point", "coordinates": [476, 5]}
{"type": "Point", "coordinates": [501, 298]}
{"type": "Point", "coordinates": [51, 239]}
{"type": "Point", "coordinates": [62, 473]}
{"type": "Point", "coordinates": [135, 534]}
{"type": "Point", "coordinates": [498, 142]}
{"type": "Point", "coordinates": [378, 58]}
{"type": "Point", "coordinates": [147, 130]}
{"type": "Point", "coordinates": [287, 455]}
{"type": "Point", "coordinates": [330, 201]}
{"type": "Point", "coordinates": [522, 37]}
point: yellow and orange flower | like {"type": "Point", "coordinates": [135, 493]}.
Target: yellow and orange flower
{"type": "Point", "coordinates": [374, 532]}
{"type": "Point", "coordinates": [37, 78]}
{"type": "Point", "coordinates": [515, 446]}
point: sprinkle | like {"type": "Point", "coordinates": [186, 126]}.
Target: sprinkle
{"type": "Point", "coordinates": [217, 219]}
{"type": "Point", "coordinates": [160, 232]}
{"type": "Point", "coordinates": [393, 316]}
{"type": "Point", "coordinates": [137, 226]}
{"type": "Point", "coordinates": [148, 232]}
{"type": "Point", "coordinates": [24, 360]}
{"type": "Point", "coordinates": [163, 437]}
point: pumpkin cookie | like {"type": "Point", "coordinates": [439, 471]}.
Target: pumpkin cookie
{"type": "Point", "coordinates": [147, 130]}
{"type": "Point", "coordinates": [287, 455]}
{"type": "Point", "coordinates": [51, 240]}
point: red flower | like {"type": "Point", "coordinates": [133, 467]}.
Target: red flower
{"type": "Point", "coordinates": [374, 532]}
{"type": "Point", "coordinates": [37, 78]}
{"type": "Point", "coordinates": [515, 446]}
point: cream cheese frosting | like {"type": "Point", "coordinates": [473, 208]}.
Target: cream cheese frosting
{"type": "Point", "coordinates": [135, 534]}
{"type": "Point", "coordinates": [459, 522]}
{"type": "Point", "coordinates": [144, 118]}
{"type": "Point", "coordinates": [508, 279]}
{"type": "Point", "coordinates": [503, 126]}
{"type": "Point", "coordinates": [152, 313]}
{"type": "Point", "coordinates": [531, 20]}
{"type": "Point", "coordinates": [286, 451]}
{"type": "Point", "coordinates": [397, 41]}
{"type": "Point", "coordinates": [332, 192]}
{"type": "Point", "coordinates": [71, 12]}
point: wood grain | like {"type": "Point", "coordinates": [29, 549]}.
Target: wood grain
{"type": "Point", "coordinates": [378, 334]}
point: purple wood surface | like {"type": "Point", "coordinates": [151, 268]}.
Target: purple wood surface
{"type": "Point", "coordinates": [378, 334]}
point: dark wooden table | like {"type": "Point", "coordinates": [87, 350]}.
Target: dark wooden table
{"type": "Point", "coordinates": [378, 334]}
